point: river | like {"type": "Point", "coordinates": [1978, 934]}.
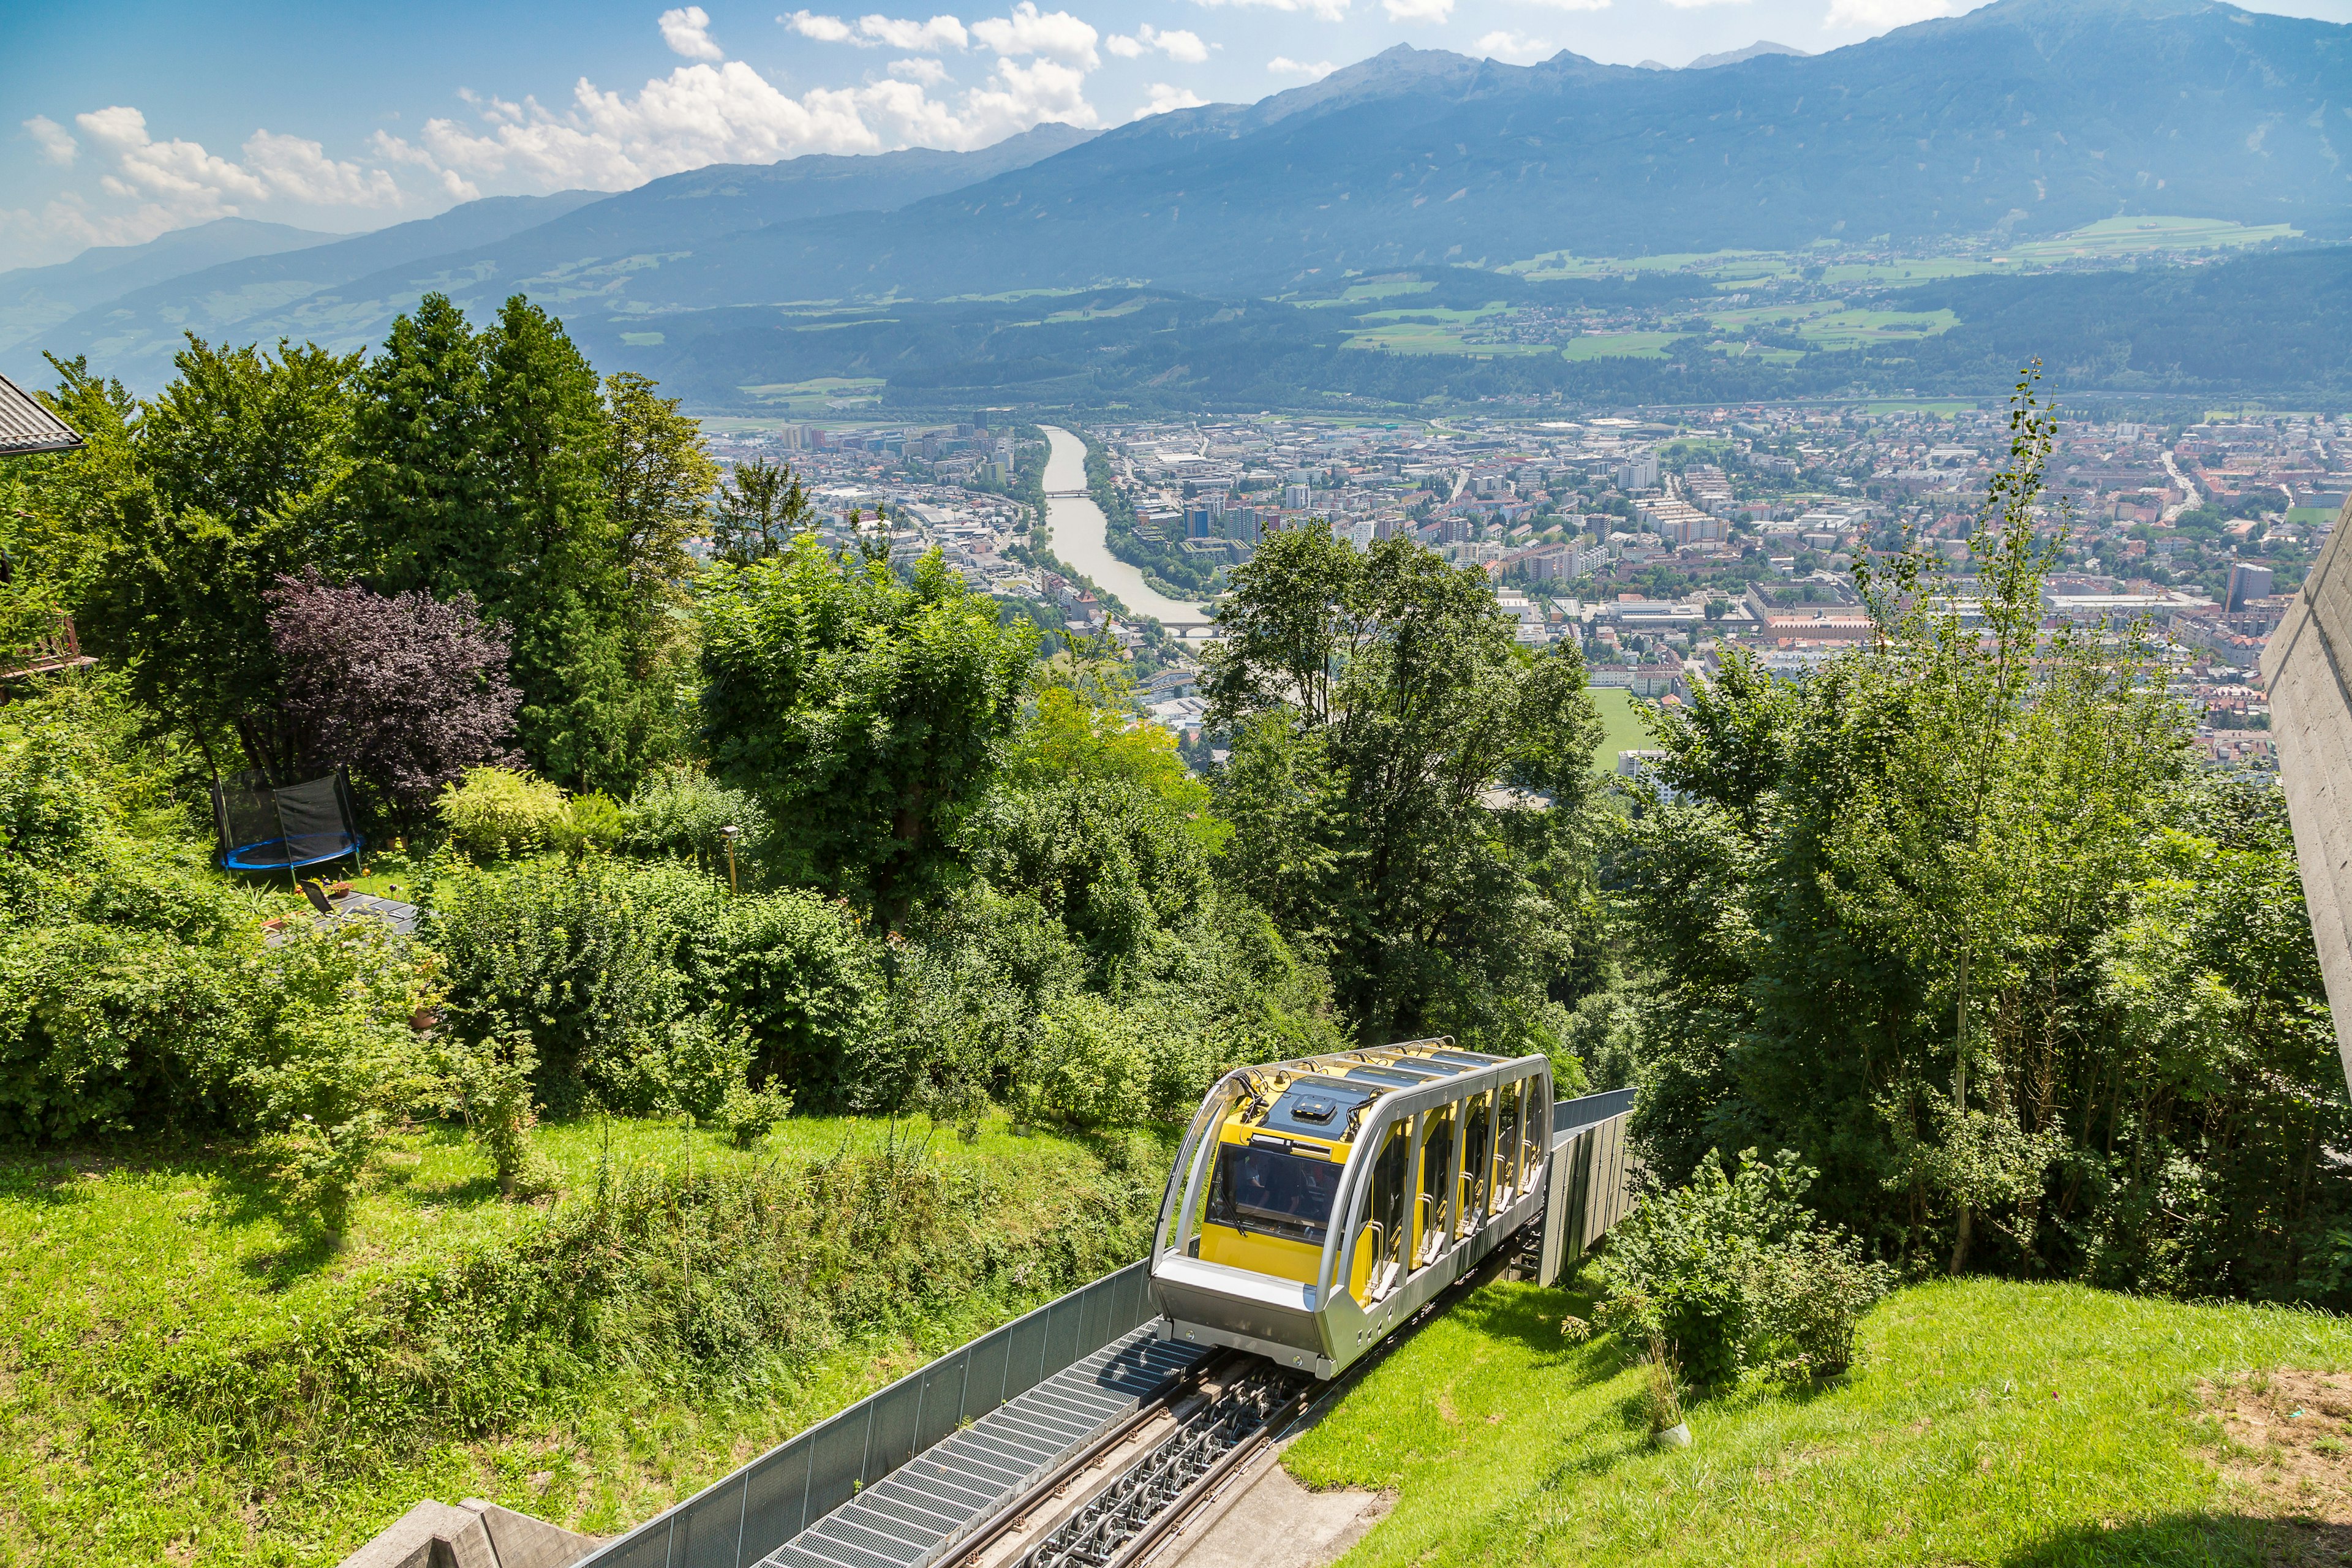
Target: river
{"type": "Point", "coordinates": [1079, 527]}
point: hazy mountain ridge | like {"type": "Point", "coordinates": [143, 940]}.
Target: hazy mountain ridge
{"type": "Point", "coordinates": [564, 250]}
{"type": "Point", "coordinates": [1761, 48]}
{"type": "Point", "coordinates": [2032, 115]}
{"type": "Point", "coordinates": [34, 299]}
{"type": "Point", "coordinates": [2025, 117]}
{"type": "Point", "coordinates": [135, 334]}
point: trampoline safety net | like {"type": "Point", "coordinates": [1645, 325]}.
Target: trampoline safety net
{"type": "Point", "coordinates": [283, 829]}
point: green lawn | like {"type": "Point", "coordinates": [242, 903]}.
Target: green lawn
{"type": "Point", "coordinates": [115, 1264]}
{"type": "Point", "coordinates": [1620, 726]}
{"type": "Point", "coordinates": [1854, 329]}
{"type": "Point", "coordinates": [1617, 345]}
{"type": "Point", "coordinates": [1987, 1423]}
{"type": "Point", "coordinates": [2138, 236]}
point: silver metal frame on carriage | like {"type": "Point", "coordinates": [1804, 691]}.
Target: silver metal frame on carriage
{"type": "Point", "coordinates": [1317, 1328]}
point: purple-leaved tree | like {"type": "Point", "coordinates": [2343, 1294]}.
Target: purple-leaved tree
{"type": "Point", "coordinates": [406, 690]}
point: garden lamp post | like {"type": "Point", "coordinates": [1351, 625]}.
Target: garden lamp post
{"type": "Point", "coordinates": [730, 833]}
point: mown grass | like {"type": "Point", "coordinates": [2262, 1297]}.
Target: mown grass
{"type": "Point", "coordinates": [126, 1273]}
{"type": "Point", "coordinates": [1618, 345]}
{"type": "Point", "coordinates": [1985, 1423]}
{"type": "Point", "coordinates": [1622, 728]}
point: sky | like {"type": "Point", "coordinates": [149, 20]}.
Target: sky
{"type": "Point", "coordinates": [122, 120]}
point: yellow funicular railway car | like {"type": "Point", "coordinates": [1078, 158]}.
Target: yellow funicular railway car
{"type": "Point", "coordinates": [1316, 1204]}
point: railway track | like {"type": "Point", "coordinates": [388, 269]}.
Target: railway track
{"type": "Point", "coordinates": [1132, 1496]}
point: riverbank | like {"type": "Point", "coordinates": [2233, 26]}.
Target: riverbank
{"type": "Point", "coordinates": [1081, 538]}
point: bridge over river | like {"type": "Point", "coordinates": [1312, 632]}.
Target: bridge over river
{"type": "Point", "coordinates": [1080, 539]}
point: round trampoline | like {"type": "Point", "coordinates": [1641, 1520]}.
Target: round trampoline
{"type": "Point", "coordinates": [284, 828]}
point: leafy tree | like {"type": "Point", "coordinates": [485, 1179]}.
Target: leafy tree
{"type": "Point", "coordinates": [869, 714]}
{"type": "Point", "coordinates": [1945, 919]}
{"type": "Point", "coordinates": [1414, 786]}
{"type": "Point", "coordinates": [760, 508]}
{"type": "Point", "coordinates": [657, 483]}
{"type": "Point", "coordinates": [422, 435]}
{"type": "Point", "coordinates": [237, 476]}
{"type": "Point", "coordinates": [1113, 862]}
{"type": "Point", "coordinates": [1086, 726]}
{"type": "Point", "coordinates": [409, 692]}
{"type": "Point", "coordinates": [489, 465]}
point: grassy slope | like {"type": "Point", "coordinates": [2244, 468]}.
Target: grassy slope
{"type": "Point", "coordinates": [1988, 1423]}
{"type": "Point", "coordinates": [105, 1262]}
{"type": "Point", "coordinates": [1620, 726]}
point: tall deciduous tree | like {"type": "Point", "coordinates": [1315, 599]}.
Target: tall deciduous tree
{"type": "Point", "coordinates": [760, 508]}
{"type": "Point", "coordinates": [658, 482]}
{"type": "Point", "coordinates": [235, 476]}
{"type": "Point", "coordinates": [1409, 787]}
{"type": "Point", "coordinates": [1948, 920]}
{"type": "Point", "coordinates": [870, 713]}
{"type": "Point", "coordinates": [408, 692]}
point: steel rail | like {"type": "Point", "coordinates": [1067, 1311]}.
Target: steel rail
{"type": "Point", "coordinates": [1128, 1520]}
{"type": "Point", "coordinates": [992, 1528]}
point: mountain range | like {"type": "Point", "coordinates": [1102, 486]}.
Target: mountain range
{"type": "Point", "coordinates": [2023, 117]}
{"type": "Point", "coordinates": [36, 299]}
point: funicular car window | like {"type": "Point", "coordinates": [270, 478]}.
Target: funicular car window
{"type": "Point", "coordinates": [1269, 1193]}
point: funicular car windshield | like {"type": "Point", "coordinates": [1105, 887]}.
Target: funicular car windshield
{"type": "Point", "coordinates": [1270, 1192]}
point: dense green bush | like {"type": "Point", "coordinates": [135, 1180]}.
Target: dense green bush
{"type": "Point", "coordinates": [1113, 862]}
{"type": "Point", "coordinates": [587, 957]}
{"type": "Point", "coordinates": [1733, 1274]}
{"type": "Point", "coordinates": [681, 811]}
{"type": "Point", "coordinates": [646, 986]}
{"type": "Point", "coordinates": [805, 984]}
{"type": "Point", "coordinates": [493, 813]}
{"type": "Point", "coordinates": [136, 989]}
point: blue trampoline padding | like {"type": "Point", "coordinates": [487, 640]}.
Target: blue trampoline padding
{"type": "Point", "coordinates": [272, 854]}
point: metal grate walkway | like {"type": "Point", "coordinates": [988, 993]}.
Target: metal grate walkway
{"type": "Point", "coordinates": [919, 1513]}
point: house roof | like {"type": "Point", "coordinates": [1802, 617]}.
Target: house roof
{"type": "Point", "coordinates": [27, 425]}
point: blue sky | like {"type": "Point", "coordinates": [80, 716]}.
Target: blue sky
{"type": "Point", "coordinates": [125, 119]}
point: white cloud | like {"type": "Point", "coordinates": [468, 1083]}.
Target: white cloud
{"type": "Point", "coordinates": [1018, 97]}
{"type": "Point", "coordinates": [686, 31]}
{"type": "Point", "coordinates": [1877, 16]}
{"type": "Point", "coordinates": [1418, 10]}
{"type": "Point", "coordinates": [1516, 47]}
{"type": "Point", "coordinates": [145, 187]}
{"type": "Point", "coordinates": [874, 32]}
{"type": "Point", "coordinates": [1283, 65]}
{"type": "Point", "coordinates": [299, 170]}
{"type": "Point", "coordinates": [208, 185]}
{"type": "Point", "coordinates": [56, 143]}
{"type": "Point", "coordinates": [1165, 98]}
{"type": "Point", "coordinates": [928, 37]}
{"type": "Point", "coordinates": [824, 29]}
{"type": "Point", "coordinates": [1057, 35]}
{"type": "Point", "coordinates": [730, 113]}
{"type": "Point", "coordinates": [1573, 4]}
{"type": "Point", "coordinates": [1322, 10]}
{"type": "Point", "coordinates": [1183, 47]}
